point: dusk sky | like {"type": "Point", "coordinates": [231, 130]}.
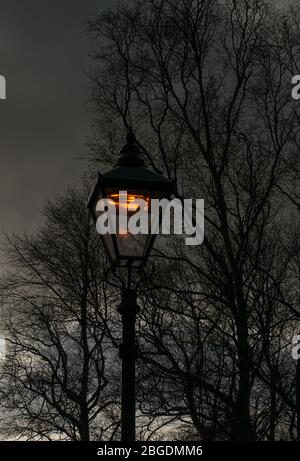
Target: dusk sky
{"type": "Point", "coordinates": [44, 122]}
{"type": "Point", "coordinates": [201, 342]}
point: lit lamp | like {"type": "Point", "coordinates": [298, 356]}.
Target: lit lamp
{"type": "Point", "coordinates": [125, 249]}
{"type": "Point", "coordinates": [130, 175]}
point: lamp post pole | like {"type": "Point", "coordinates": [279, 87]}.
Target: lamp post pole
{"type": "Point", "coordinates": [128, 353]}
{"type": "Point", "coordinates": [133, 176]}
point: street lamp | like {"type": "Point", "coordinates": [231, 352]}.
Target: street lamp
{"type": "Point", "coordinates": [129, 251]}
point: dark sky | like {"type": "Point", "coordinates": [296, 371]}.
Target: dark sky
{"type": "Point", "coordinates": [44, 121]}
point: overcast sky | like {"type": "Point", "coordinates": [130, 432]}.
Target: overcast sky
{"type": "Point", "coordinates": [44, 121]}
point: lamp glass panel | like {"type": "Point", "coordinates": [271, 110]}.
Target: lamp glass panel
{"type": "Point", "coordinates": [132, 246]}
{"type": "Point", "coordinates": [108, 243]}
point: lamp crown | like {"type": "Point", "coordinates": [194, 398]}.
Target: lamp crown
{"type": "Point", "coordinates": [130, 138]}
{"type": "Point", "coordinates": [131, 155]}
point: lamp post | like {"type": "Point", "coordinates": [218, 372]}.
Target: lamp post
{"type": "Point", "coordinates": [125, 250]}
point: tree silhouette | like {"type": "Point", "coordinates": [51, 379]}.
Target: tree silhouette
{"type": "Point", "coordinates": [206, 86]}
{"type": "Point", "coordinates": [58, 320]}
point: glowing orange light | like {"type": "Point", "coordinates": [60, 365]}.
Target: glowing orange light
{"type": "Point", "coordinates": [130, 204]}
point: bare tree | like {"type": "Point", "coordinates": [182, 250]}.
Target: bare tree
{"type": "Point", "coordinates": [206, 86]}
{"type": "Point", "coordinates": [59, 379]}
